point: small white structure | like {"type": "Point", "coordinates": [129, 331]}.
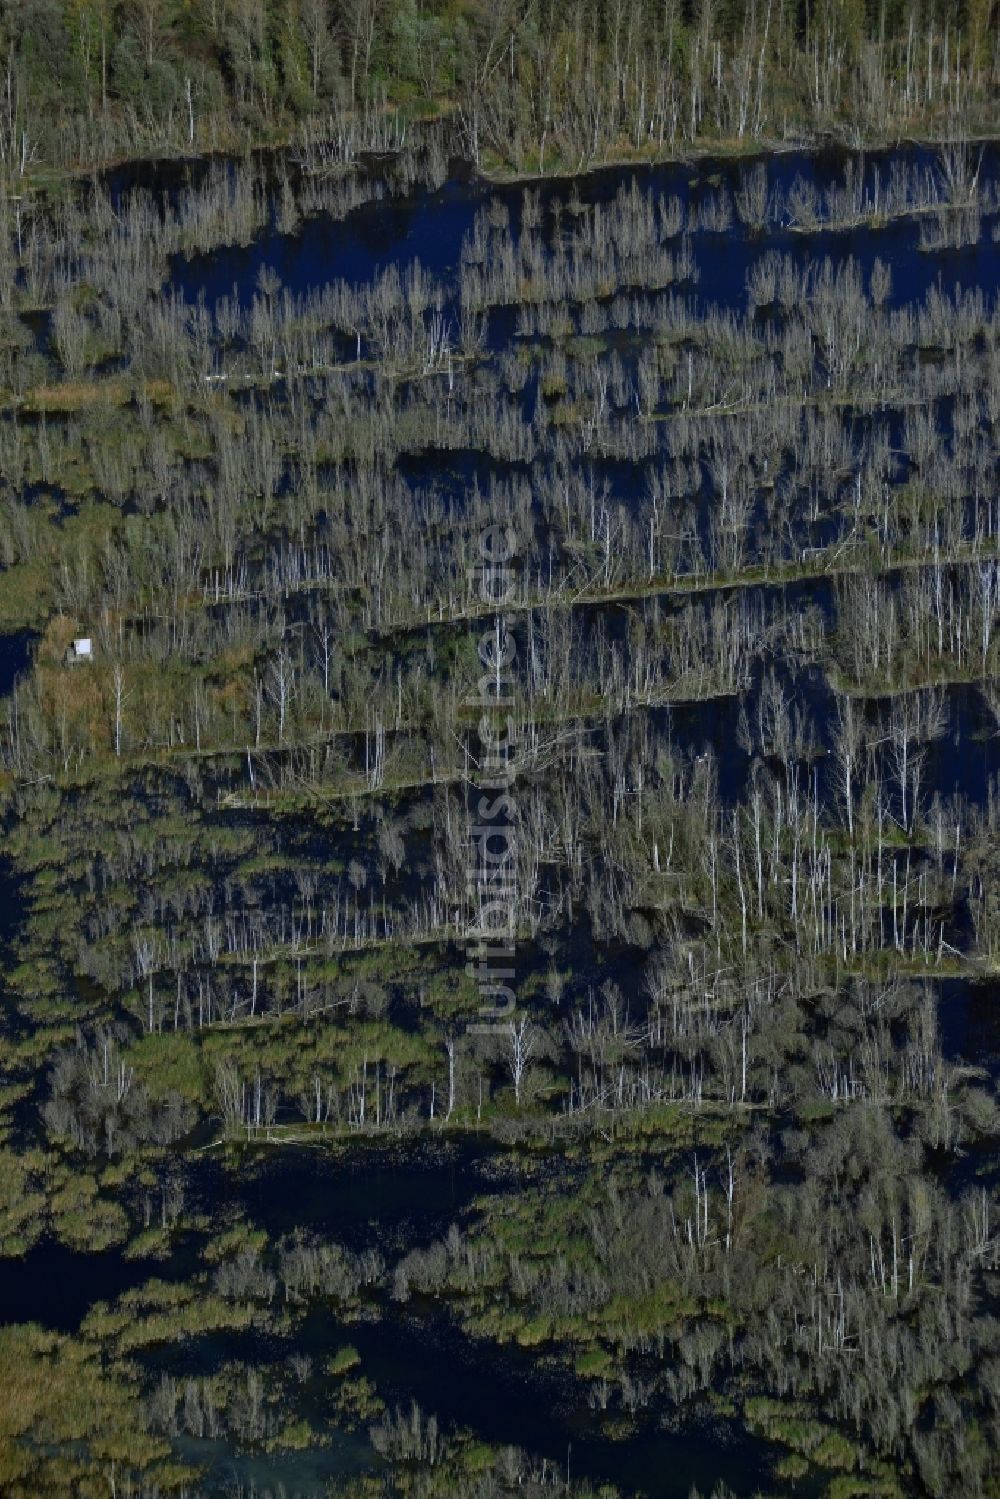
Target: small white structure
{"type": "Point", "coordinates": [81, 650]}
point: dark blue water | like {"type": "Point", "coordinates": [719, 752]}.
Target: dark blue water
{"type": "Point", "coordinates": [15, 658]}
{"type": "Point", "coordinates": [370, 1197]}
{"type": "Point", "coordinates": [969, 1018]}
{"type": "Point", "coordinates": [504, 1394]}
{"type": "Point", "coordinates": [56, 1286]}
{"type": "Point", "coordinates": [429, 226]}
{"type": "Point", "coordinates": [508, 1397]}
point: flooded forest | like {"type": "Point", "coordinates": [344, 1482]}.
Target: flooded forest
{"type": "Point", "coordinates": [499, 750]}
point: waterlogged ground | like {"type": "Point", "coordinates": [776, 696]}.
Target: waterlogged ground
{"type": "Point", "coordinates": [274, 1203]}
{"type": "Point", "coordinates": [378, 1198]}
{"type": "Point", "coordinates": [429, 226]}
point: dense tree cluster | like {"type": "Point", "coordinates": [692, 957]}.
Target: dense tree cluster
{"type": "Point", "coordinates": [525, 81]}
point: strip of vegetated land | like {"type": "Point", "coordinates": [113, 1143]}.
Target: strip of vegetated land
{"type": "Point", "coordinates": [524, 85]}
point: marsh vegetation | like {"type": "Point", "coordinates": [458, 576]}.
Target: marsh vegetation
{"type": "Point", "coordinates": [720, 1191]}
